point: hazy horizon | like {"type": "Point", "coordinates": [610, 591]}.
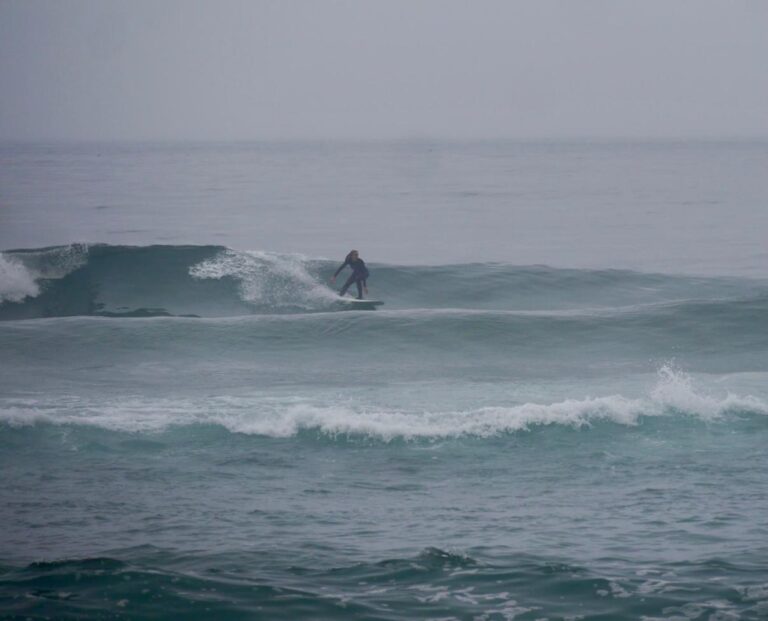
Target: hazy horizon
{"type": "Point", "coordinates": [192, 71]}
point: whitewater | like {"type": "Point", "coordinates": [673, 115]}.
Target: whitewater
{"type": "Point", "coordinates": [192, 425]}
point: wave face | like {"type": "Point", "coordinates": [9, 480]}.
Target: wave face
{"type": "Point", "coordinates": [111, 281]}
{"type": "Point", "coordinates": [213, 281]}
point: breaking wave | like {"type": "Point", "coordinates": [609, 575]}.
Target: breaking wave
{"type": "Point", "coordinates": [674, 394]}
{"type": "Point", "coordinates": [214, 281]}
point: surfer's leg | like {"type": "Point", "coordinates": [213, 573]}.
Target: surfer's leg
{"type": "Point", "coordinates": [359, 284]}
{"type": "Point", "coordinates": [346, 286]}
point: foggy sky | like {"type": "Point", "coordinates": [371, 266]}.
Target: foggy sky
{"type": "Point", "coordinates": [249, 70]}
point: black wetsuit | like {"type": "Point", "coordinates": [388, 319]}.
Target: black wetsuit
{"type": "Point", "coordinates": [359, 275]}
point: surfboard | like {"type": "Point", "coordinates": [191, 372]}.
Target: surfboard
{"type": "Point", "coordinates": [354, 304]}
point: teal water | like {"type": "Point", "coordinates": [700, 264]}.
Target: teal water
{"type": "Point", "coordinates": [196, 432]}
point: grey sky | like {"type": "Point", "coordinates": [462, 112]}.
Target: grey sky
{"type": "Point", "coordinates": [188, 69]}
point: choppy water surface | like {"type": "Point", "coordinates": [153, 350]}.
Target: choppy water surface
{"type": "Point", "coordinates": [199, 432]}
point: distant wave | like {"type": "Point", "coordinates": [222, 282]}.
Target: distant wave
{"type": "Point", "coordinates": [214, 281]}
{"type": "Point", "coordinates": [674, 394]}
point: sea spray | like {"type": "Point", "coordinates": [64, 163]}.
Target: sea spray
{"type": "Point", "coordinates": [16, 282]}
{"type": "Point", "coordinates": [269, 279]}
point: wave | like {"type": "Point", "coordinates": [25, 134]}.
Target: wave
{"type": "Point", "coordinates": [147, 582]}
{"type": "Point", "coordinates": [214, 281]}
{"type": "Point", "coordinates": [674, 394]}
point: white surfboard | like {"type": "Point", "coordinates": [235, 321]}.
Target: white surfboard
{"type": "Point", "coordinates": [355, 304]}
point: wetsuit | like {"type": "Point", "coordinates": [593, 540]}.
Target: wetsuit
{"type": "Point", "coordinates": [359, 275]}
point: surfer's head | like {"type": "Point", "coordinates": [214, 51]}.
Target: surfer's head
{"type": "Point", "coordinates": [353, 254]}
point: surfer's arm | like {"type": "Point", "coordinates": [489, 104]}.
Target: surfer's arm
{"type": "Point", "coordinates": [343, 265]}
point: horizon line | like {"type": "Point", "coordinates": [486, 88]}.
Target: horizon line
{"type": "Point", "coordinates": [593, 139]}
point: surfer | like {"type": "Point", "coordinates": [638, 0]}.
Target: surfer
{"type": "Point", "coordinates": [359, 274]}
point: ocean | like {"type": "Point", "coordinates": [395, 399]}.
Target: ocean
{"type": "Point", "coordinates": [560, 412]}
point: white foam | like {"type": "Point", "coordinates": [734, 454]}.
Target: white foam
{"type": "Point", "coordinates": [16, 281]}
{"type": "Point", "coordinates": [268, 278]}
{"type": "Point", "coordinates": [388, 424]}
{"type": "Point", "coordinates": [269, 416]}
{"type": "Point", "coordinates": [675, 390]}
{"type": "Point", "coordinates": [19, 275]}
